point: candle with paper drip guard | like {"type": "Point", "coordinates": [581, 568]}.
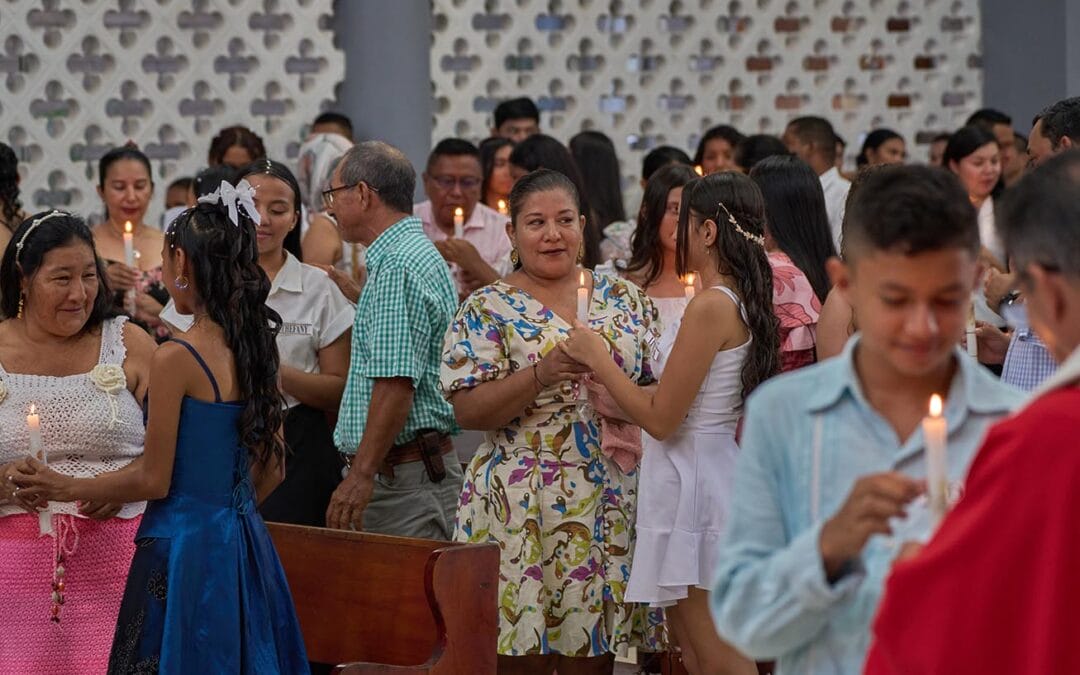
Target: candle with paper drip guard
{"type": "Point", "coordinates": [935, 432]}
{"type": "Point", "coordinates": [33, 426]}
{"type": "Point", "coordinates": [970, 340]}
{"type": "Point", "coordinates": [503, 210]}
{"type": "Point", "coordinates": [459, 223]}
{"type": "Point", "coordinates": [688, 290]}
{"type": "Point", "coordinates": [582, 300]}
{"type": "Point", "coordinates": [129, 260]}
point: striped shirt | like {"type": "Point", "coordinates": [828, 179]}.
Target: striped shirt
{"type": "Point", "coordinates": [406, 306]}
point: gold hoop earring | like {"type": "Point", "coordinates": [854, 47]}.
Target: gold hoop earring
{"type": "Point", "coordinates": [181, 282]}
{"type": "Point", "coordinates": [21, 301]}
{"type": "Point", "coordinates": [515, 259]}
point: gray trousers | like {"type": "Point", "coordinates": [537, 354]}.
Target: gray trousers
{"type": "Point", "coordinates": [410, 505]}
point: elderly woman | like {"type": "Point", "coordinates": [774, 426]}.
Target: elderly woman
{"type": "Point", "coordinates": [561, 511]}
{"type": "Point", "coordinates": [83, 375]}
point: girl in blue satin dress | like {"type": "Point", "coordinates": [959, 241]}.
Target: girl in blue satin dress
{"type": "Point", "coordinates": [206, 592]}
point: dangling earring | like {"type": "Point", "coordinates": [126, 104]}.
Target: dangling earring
{"type": "Point", "coordinates": [515, 260]}
{"type": "Point", "coordinates": [22, 298]}
{"type": "Point", "coordinates": [181, 282]}
{"type": "Point", "coordinates": [581, 254]}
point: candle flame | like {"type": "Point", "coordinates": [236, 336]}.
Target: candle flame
{"type": "Point", "coordinates": [690, 279]}
{"type": "Point", "coordinates": [698, 170]}
{"type": "Point", "coordinates": [459, 211]}
{"type": "Point", "coordinates": [935, 406]}
{"type": "Point", "coordinates": [581, 280]}
{"type": "Point", "coordinates": [502, 205]}
{"type": "Point", "coordinates": [32, 409]}
{"type": "Point", "coordinates": [127, 226]}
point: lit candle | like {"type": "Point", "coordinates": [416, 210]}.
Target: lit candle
{"type": "Point", "coordinates": [689, 289]}
{"type": "Point", "coordinates": [582, 301]}
{"type": "Point", "coordinates": [969, 333]}
{"type": "Point", "coordinates": [698, 170]}
{"type": "Point", "coordinates": [459, 223]}
{"type": "Point", "coordinates": [935, 431]}
{"type": "Point", "coordinates": [503, 211]}
{"type": "Point", "coordinates": [129, 260]}
{"type": "Point", "coordinates": [33, 425]}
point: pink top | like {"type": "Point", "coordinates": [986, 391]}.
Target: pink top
{"type": "Point", "coordinates": [485, 229]}
{"type": "Point", "coordinates": [797, 308]}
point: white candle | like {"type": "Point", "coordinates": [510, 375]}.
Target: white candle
{"type": "Point", "coordinates": [459, 223]}
{"type": "Point", "coordinates": [582, 300]}
{"type": "Point", "coordinates": [689, 289]}
{"type": "Point", "coordinates": [969, 333]}
{"type": "Point", "coordinates": [503, 211]}
{"type": "Point", "coordinates": [935, 431]}
{"type": "Point", "coordinates": [129, 260]}
{"type": "Point", "coordinates": [33, 425]}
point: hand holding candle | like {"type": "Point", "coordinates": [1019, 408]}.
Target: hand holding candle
{"type": "Point", "coordinates": [33, 425]}
{"type": "Point", "coordinates": [459, 223]}
{"type": "Point", "coordinates": [935, 432]}
{"type": "Point", "coordinates": [689, 289]}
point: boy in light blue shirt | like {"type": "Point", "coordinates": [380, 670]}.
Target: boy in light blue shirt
{"type": "Point", "coordinates": [832, 456]}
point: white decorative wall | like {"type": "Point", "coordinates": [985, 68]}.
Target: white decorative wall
{"type": "Point", "coordinates": [79, 78]}
{"type": "Point", "coordinates": [650, 72]}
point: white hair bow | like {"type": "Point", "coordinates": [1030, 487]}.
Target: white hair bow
{"type": "Point", "coordinates": [243, 194]}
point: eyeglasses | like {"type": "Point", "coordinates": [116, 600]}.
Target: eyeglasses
{"type": "Point", "coordinates": [328, 195]}
{"type": "Point", "coordinates": [448, 182]}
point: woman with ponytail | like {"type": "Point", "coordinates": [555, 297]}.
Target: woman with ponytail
{"type": "Point", "coordinates": [691, 417]}
{"type": "Point", "coordinates": [206, 592]}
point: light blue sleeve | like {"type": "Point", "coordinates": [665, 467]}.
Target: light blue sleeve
{"type": "Point", "coordinates": [770, 596]}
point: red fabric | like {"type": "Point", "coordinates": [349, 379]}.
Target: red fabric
{"type": "Point", "coordinates": [997, 589]}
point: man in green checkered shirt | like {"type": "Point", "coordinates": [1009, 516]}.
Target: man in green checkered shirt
{"type": "Point", "coordinates": [394, 425]}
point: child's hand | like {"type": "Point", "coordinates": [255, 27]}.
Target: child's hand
{"type": "Point", "coordinates": [585, 346]}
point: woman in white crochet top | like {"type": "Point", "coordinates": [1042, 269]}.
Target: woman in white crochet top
{"type": "Point", "coordinates": [85, 375]}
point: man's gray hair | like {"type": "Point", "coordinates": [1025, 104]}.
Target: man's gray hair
{"type": "Point", "coordinates": [1039, 219]}
{"type": "Point", "coordinates": [384, 168]}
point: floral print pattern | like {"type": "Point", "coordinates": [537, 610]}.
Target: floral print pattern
{"type": "Point", "coordinates": [797, 308]}
{"type": "Point", "coordinates": [562, 513]}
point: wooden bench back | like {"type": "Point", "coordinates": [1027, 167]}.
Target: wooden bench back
{"type": "Point", "coordinates": [392, 600]}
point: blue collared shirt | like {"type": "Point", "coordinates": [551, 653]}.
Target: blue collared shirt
{"type": "Point", "coordinates": [1027, 363]}
{"type": "Point", "coordinates": [809, 436]}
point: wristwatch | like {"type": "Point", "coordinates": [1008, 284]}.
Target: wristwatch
{"type": "Point", "coordinates": [1009, 298]}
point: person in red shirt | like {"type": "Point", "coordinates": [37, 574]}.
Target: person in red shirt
{"type": "Point", "coordinates": [996, 589]}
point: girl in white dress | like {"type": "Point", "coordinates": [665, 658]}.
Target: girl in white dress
{"type": "Point", "coordinates": [691, 417]}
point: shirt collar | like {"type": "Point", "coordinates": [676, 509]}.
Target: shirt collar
{"type": "Point", "coordinates": [968, 391]}
{"type": "Point", "coordinates": [830, 176]}
{"type": "Point", "coordinates": [391, 235]}
{"type": "Point", "coordinates": [1068, 373]}
{"type": "Point", "coordinates": [290, 277]}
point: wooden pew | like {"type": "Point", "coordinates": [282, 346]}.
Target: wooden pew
{"type": "Point", "coordinates": [377, 604]}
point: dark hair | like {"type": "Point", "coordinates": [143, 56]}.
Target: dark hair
{"type": "Point", "coordinates": [966, 140]}
{"type": "Point", "coordinates": [944, 136]}
{"type": "Point", "coordinates": [209, 179]}
{"type": "Point", "coordinates": [129, 152]}
{"type": "Point", "coordinates": [233, 288]}
{"type": "Point", "coordinates": [10, 206]}
{"type": "Point", "coordinates": [910, 209]}
{"type": "Point", "coordinates": [541, 151]}
{"type": "Point", "coordinates": [269, 167]}
{"type": "Point", "coordinates": [988, 118]}
{"type": "Point", "coordinates": [233, 136]}
{"type": "Point", "coordinates": [516, 109]}
{"type": "Point", "coordinates": [646, 255]}
{"type": "Point", "coordinates": [1039, 218]}
{"type": "Point", "coordinates": [795, 216]}
{"type": "Point", "coordinates": [874, 140]}
{"type": "Point", "coordinates": [753, 149]}
{"type": "Point", "coordinates": [740, 258]}
{"type": "Point", "coordinates": [818, 132]}
{"type": "Point", "coordinates": [335, 118]}
{"type": "Point", "coordinates": [184, 183]}
{"type": "Point", "coordinates": [489, 147]}
{"type": "Point", "coordinates": [1059, 120]}
{"type": "Point", "coordinates": [541, 180]}
{"type": "Point", "coordinates": [724, 132]}
{"type": "Point", "coordinates": [453, 147]}
{"type": "Point", "coordinates": [49, 233]}
{"type": "Point", "coordinates": [384, 168]}
{"type": "Point", "coordinates": [594, 154]}
{"type": "Point", "coordinates": [660, 157]}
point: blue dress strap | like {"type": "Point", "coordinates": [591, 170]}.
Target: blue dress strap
{"type": "Point", "coordinates": [206, 369]}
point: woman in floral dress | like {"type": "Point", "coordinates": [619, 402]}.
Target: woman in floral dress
{"type": "Point", "coordinates": [561, 511]}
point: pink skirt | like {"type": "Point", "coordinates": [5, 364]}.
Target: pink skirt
{"type": "Point", "coordinates": [95, 573]}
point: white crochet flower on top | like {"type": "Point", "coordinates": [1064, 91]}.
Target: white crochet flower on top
{"type": "Point", "coordinates": [111, 380]}
{"type": "Point", "coordinates": [3, 391]}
